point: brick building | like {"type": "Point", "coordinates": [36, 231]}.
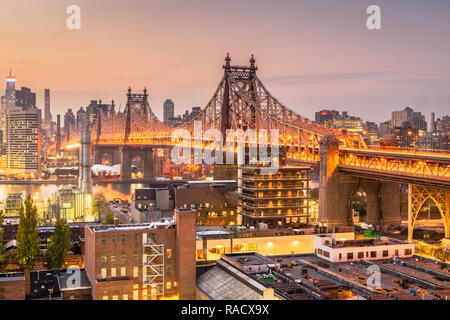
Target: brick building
{"type": "Point", "coordinates": [215, 202]}
{"type": "Point", "coordinates": [141, 261]}
{"type": "Point", "coordinates": [12, 286]}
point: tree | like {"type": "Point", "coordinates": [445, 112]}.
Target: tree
{"type": "Point", "coordinates": [59, 244]}
{"type": "Point", "coordinates": [28, 241]}
{"type": "Point", "coordinates": [100, 206]}
{"type": "Point", "coordinates": [2, 256]}
{"type": "Point", "coordinates": [109, 218]}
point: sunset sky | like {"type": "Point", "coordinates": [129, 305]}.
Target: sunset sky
{"type": "Point", "coordinates": [311, 54]}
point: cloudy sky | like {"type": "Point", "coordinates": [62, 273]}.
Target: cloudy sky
{"type": "Point", "coordinates": [311, 54]}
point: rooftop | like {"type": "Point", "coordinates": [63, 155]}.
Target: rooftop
{"type": "Point", "coordinates": [67, 281]}
{"type": "Point", "coordinates": [129, 227]}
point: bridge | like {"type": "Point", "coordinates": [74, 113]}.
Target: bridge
{"type": "Point", "coordinates": [241, 101]}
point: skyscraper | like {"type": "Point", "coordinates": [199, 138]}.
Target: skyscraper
{"type": "Point", "coordinates": [48, 115]}
{"type": "Point", "coordinates": [10, 93]}
{"type": "Point", "coordinates": [25, 98]}
{"type": "Point", "coordinates": [168, 110]}
{"type": "Point", "coordinates": [23, 141]}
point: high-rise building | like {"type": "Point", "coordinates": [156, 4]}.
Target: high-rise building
{"type": "Point", "coordinates": [443, 125]}
{"type": "Point", "coordinates": [168, 110]}
{"type": "Point", "coordinates": [10, 93]}
{"type": "Point", "coordinates": [23, 141]}
{"type": "Point", "coordinates": [69, 124]}
{"type": "Point", "coordinates": [280, 199]}
{"type": "Point", "coordinates": [48, 114]}
{"type": "Point", "coordinates": [326, 117]}
{"type": "Point", "coordinates": [408, 117]}
{"type": "Point", "coordinates": [93, 110]}
{"type": "Point", "coordinates": [25, 98]}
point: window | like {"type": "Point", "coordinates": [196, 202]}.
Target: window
{"type": "Point", "coordinates": [408, 252]}
{"type": "Point", "coordinates": [125, 297]}
{"type": "Point", "coordinates": [385, 253]}
{"type": "Point", "coordinates": [373, 254]}
{"type": "Point", "coordinates": [103, 273]}
{"type": "Point", "coordinates": [135, 255]}
{"type": "Point", "coordinates": [153, 236]}
{"type": "Point", "coordinates": [115, 297]}
{"type": "Point", "coordinates": [169, 269]}
{"type": "Point", "coordinates": [123, 272]}
{"type": "Point", "coordinates": [360, 255]}
{"type": "Point", "coordinates": [135, 272]}
{"type": "Point", "coordinates": [113, 238]}
{"type": "Point", "coordinates": [135, 294]}
{"type": "Point", "coordinates": [174, 283]}
{"type": "Point", "coordinates": [103, 239]}
{"type": "Point", "coordinates": [349, 255]}
{"type": "Point", "coordinates": [72, 297]}
{"type": "Point", "coordinates": [122, 238]}
{"type": "Point", "coordinates": [396, 252]}
{"type": "Point", "coordinates": [169, 253]}
{"type": "Point", "coordinates": [113, 272]}
{"type": "Point", "coordinates": [105, 297]}
{"type": "Point", "coordinates": [135, 286]}
{"type": "Point", "coordinates": [104, 258]}
{"type": "Point", "coordinates": [113, 258]}
{"type": "Point", "coordinates": [135, 237]}
{"type": "Point", "coordinates": [340, 256]}
{"type": "Point", "coordinates": [122, 256]}
{"type": "Point", "coordinates": [319, 251]}
{"type": "Point", "coordinates": [168, 285]}
{"type": "Point", "coordinates": [326, 254]}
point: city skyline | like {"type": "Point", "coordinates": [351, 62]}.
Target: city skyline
{"type": "Point", "coordinates": [388, 71]}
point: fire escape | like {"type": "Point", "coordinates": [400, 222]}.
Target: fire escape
{"type": "Point", "coordinates": [153, 262]}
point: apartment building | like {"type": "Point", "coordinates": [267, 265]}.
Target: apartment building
{"type": "Point", "coordinates": [142, 261]}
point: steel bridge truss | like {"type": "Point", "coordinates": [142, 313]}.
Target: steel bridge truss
{"type": "Point", "coordinates": [240, 102]}
{"type": "Point", "coordinates": [418, 196]}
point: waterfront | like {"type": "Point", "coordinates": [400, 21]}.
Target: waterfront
{"type": "Point", "coordinates": [42, 191]}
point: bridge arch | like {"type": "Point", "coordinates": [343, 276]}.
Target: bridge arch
{"type": "Point", "coordinates": [418, 196]}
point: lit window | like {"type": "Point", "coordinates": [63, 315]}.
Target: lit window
{"type": "Point", "coordinates": [169, 253]}
{"type": "Point", "coordinates": [123, 271]}
{"type": "Point", "coordinates": [113, 258]}
{"type": "Point", "coordinates": [104, 258]}
{"type": "Point", "coordinates": [105, 297]}
{"type": "Point", "coordinates": [115, 298]}
{"type": "Point", "coordinates": [122, 256]}
{"type": "Point", "coordinates": [125, 297]}
{"type": "Point", "coordinates": [113, 272]}
{"type": "Point", "coordinates": [135, 295]}
{"type": "Point", "coordinates": [135, 272]}
{"type": "Point", "coordinates": [168, 285]}
{"type": "Point", "coordinates": [103, 273]}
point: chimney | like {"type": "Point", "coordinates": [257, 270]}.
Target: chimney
{"type": "Point", "coordinates": [116, 222]}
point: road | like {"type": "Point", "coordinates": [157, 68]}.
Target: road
{"type": "Point", "coordinates": [117, 210]}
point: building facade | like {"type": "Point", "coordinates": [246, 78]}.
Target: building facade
{"type": "Point", "coordinates": [23, 141]}
{"type": "Point", "coordinates": [280, 199]}
{"type": "Point", "coordinates": [142, 261]}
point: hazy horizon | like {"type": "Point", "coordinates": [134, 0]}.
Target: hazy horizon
{"type": "Point", "coordinates": [310, 55]}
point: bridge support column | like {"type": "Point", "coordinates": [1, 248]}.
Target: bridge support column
{"type": "Point", "coordinates": [116, 156]}
{"type": "Point", "coordinates": [149, 164]}
{"type": "Point", "coordinates": [125, 164]}
{"type": "Point", "coordinates": [335, 188]}
{"type": "Point", "coordinates": [97, 155]}
{"type": "Point", "coordinates": [372, 190]}
{"type": "Point", "coordinates": [390, 204]}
